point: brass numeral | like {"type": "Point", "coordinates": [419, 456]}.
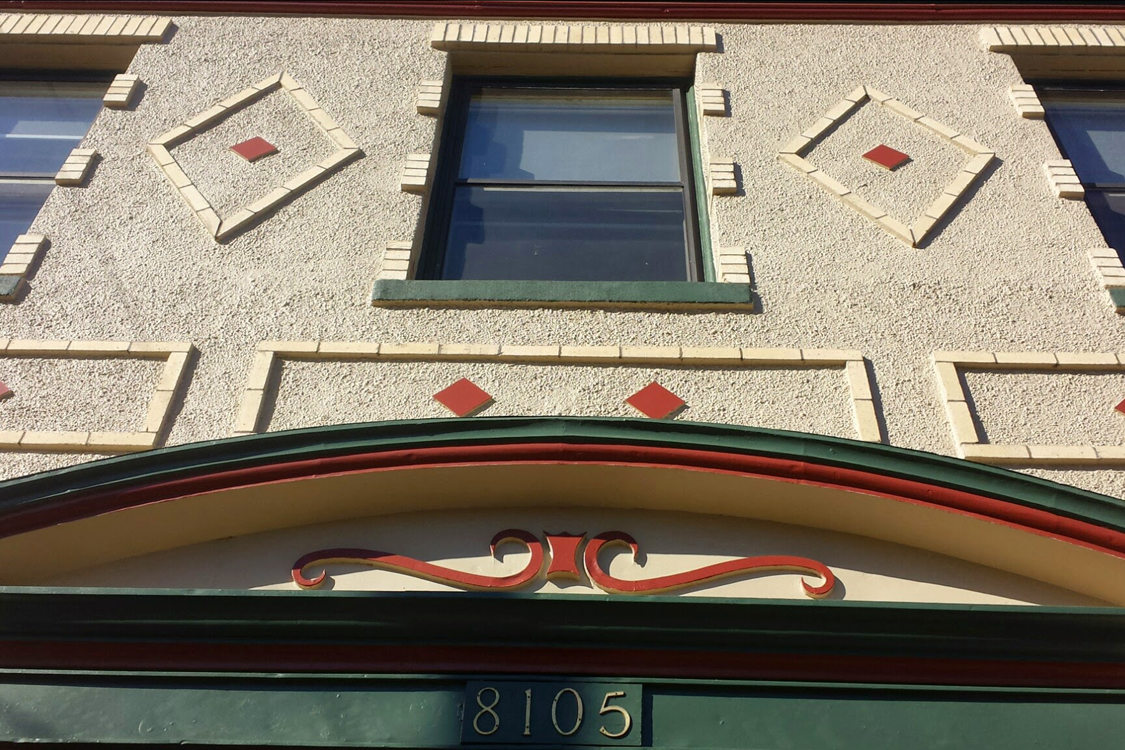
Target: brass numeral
{"type": "Point", "coordinates": [608, 709]}
{"type": "Point", "coordinates": [555, 712]}
{"type": "Point", "coordinates": [488, 710]}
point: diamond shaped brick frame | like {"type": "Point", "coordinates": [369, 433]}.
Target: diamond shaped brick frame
{"type": "Point", "coordinates": [792, 153]}
{"type": "Point", "coordinates": [222, 228]}
{"type": "Point", "coordinates": [263, 370]}
{"type": "Point", "coordinates": [175, 355]}
{"type": "Point", "coordinates": [967, 437]}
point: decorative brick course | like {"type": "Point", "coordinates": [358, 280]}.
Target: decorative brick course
{"type": "Point", "coordinates": [121, 90]}
{"type": "Point", "coordinates": [175, 355]}
{"type": "Point", "coordinates": [619, 39]}
{"type": "Point", "coordinates": [712, 100]}
{"type": "Point", "coordinates": [415, 173]}
{"type": "Point", "coordinates": [793, 152]}
{"type": "Point", "coordinates": [15, 266]}
{"type": "Point", "coordinates": [1064, 180]}
{"type": "Point", "coordinates": [78, 29]}
{"type": "Point", "coordinates": [431, 100]}
{"type": "Point", "coordinates": [76, 167]}
{"type": "Point", "coordinates": [263, 369]}
{"type": "Point", "coordinates": [224, 227]}
{"type": "Point", "coordinates": [1026, 101]}
{"type": "Point", "coordinates": [723, 181]}
{"type": "Point", "coordinates": [968, 438]}
{"type": "Point", "coordinates": [1063, 39]}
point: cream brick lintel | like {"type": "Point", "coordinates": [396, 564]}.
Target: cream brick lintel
{"type": "Point", "coordinates": [794, 151]}
{"type": "Point", "coordinates": [263, 369]}
{"type": "Point", "coordinates": [967, 436]}
{"type": "Point", "coordinates": [76, 167]}
{"type": "Point", "coordinates": [1107, 265]}
{"type": "Point", "coordinates": [77, 29]}
{"type": "Point", "coordinates": [1026, 101]}
{"type": "Point", "coordinates": [175, 355]}
{"type": "Point", "coordinates": [121, 90]}
{"type": "Point", "coordinates": [1064, 180]}
{"type": "Point", "coordinates": [25, 253]}
{"type": "Point", "coordinates": [223, 227]}
{"type": "Point", "coordinates": [1066, 39]}
{"type": "Point", "coordinates": [618, 39]}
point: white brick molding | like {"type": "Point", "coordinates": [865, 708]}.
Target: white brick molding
{"type": "Point", "coordinates": [618, 39]}
{"type": "Point", "coordinates": [1051, 38]}
{"type": "Point", "coordinates": [431, 99]}
{"type": "Point", "coordinates": [223, 227]}
{"type": "Point", "coordinates": [1026, 101]}
{"type": "Point", "coordinates": [712, 100]}
{"type": "Point", "coordinates": [25, 252]}
{"type": "Point", "coordinates": [175, 355]}
{"type": "Point", "coordinates": [415, 173]}
{"type": "Point", "coordinates": [77, 29]}
{"type": "Point", "coordinates": [76, 167]}
{"type": "Point", "coordinates": [979, 157]}
{"type": "Point", "coordinates": [967, 436]}
{"type": "Point", "coordinates": [121, 90]}
{"type": "Point", "coordinates": [263, 370]}
{"type": "Point", "coordinates": [1064, 180]}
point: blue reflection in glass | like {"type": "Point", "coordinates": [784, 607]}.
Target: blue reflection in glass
{"type": "Point", "coordinates": [41, 121]}
{"type": "Point", "coordinates": [564, 135]}
{"type": "Point", "coordinates": [557, 234]}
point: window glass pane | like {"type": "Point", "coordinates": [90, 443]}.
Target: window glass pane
{"type": "Point", "coordinates": [1091, 129]}
{"type": "Point", "coordinates": [1108, 209]}
{"type": "Point", "coordinates": [41, 121]}
{"type": "Point", "coordinates": [19, 203]}
{"type": "Point", "coordinates": [556, 234]}
{"type": "Point", "coordinates": [584, 136]}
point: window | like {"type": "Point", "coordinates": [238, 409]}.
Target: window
{"type": "Point", "coordinates": [1089, 126]}
{"type": "Point", "coordinates": [40, 122]}
{"type": "Point", "coordinates": [564, 182]}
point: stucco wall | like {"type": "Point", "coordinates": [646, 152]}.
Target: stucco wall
{"type": "Point", "coordinates": [1007, 272]}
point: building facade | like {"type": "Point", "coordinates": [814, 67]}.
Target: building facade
{"type": "Point", "coordinates": [653, 374]}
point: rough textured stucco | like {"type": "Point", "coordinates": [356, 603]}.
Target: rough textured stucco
{"type": "Point", "coordinates": [129, 261]}
{"type": "Point", "coordinates": [314, 393]}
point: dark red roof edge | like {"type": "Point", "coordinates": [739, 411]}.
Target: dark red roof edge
{"type": "Point", "coordinates": [884, 12]}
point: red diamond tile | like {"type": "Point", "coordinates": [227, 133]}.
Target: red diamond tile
{"type": "Point", "coordinates": [656, 401]}
{"type": "Point", "coordinates": [1120, 407]}
{"type": "Point", "coordinates": [463, 398]}
{"type": "Point", "coordinates": [254, 149]}
{"type": "Point", "coordinates": [886, 157]}
{"type": "Point", "coordinates": [5, 391]}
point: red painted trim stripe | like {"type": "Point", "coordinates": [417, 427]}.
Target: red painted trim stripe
{"type": "Point", "coordinates": [790, 470]}
{"type": "Point", "coordinates": [653, 10]}
{"type": "Point", "coordinates": [687, 664]}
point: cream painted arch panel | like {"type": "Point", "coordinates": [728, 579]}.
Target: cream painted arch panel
{"type": "Point", "coordinates": [670, 543]}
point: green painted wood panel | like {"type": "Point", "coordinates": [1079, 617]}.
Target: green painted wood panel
{"type": "Point", "coordinates": [427, 712]}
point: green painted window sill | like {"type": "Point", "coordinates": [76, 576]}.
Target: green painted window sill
{"type": "Point", "coordinates": [656, 295]}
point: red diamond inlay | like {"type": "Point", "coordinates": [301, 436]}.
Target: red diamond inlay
{"type": "Point", "coordinates": [1120, 407]}
{"type": "Point", "coordinates": [656, 401]}
{"type": "Point", "coordinates": [886, 157]}
{"type": "Point", "coordinates": [463, 398]}
{"type": "Point", "coordinates": [5, 391]}
{"type": "Point", "coordinates": [254, 149]}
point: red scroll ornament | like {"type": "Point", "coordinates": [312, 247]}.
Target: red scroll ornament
{"type": "Point", "coordinates": [565, 566]}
